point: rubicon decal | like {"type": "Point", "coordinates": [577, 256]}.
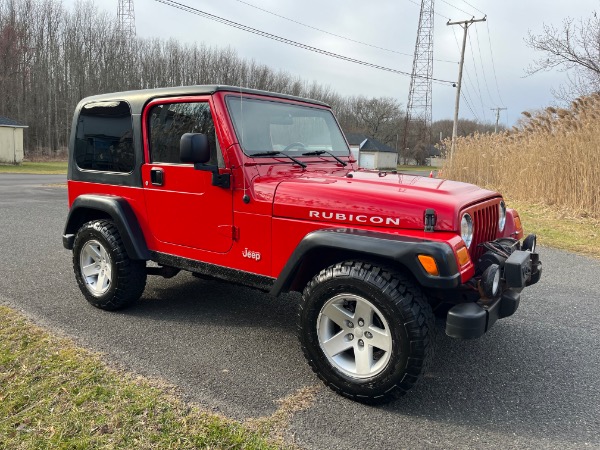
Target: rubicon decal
{"type": "Point", "coordinates": [355, 218]}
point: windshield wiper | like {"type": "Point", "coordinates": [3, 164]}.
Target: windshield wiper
{"type": "Point", "coordinates": [322, 152]}
{"type": "Point", "coordinates": [275, 153]}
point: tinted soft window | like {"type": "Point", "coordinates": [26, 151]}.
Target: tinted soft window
{"type": "Point", "coordinates": [169, 122]}
{"type": "Point", "coordinates": [104, 137]}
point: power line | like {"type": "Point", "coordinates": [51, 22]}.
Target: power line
{"type": "Point", "coordinates": [482, 68]}
{"type": "Point", "coordinates": [274, 37]}
{"type": "Point", "coordinates": [456, 7]}
{"type": "Point", "coordinates": [494, 67]}
{"type": "Point", "coordinates": [491, 51]}
{"type": "Point", "coordinates": [469, 85]}
{"type": "Point", "coordinates": [477, 76]}
{"type": "Point", "coordinates": [476, 9]}
{"type": "Point", "coordinates": [467, 92]}
{"type": "Point", "coordinates": [464, 24]}
{"type": "Point", "coordinates": [470, 109]}
{"type": "Point", "coordinates": [332, 34]}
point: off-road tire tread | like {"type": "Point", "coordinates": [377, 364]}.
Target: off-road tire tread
{"type": "Point", "coordinates": [131, 274]}
{"type": "Point", "coordinates": [415, 311]}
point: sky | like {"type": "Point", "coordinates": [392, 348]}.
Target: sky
{"type": "Point", "coordinates": [495, 61]}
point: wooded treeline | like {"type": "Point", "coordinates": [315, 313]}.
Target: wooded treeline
{"type": "Point", "coordinates": [52, 57]}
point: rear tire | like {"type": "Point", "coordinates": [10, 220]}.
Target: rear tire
{"type": "Point", "coordinates": [367, 333]}
{"type": "Point", "coordinates": [107, 277]}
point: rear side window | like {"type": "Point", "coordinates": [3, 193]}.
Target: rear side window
{"type": "Point", "coordinates": [168, 122]}
{"type": "Point", "coordinates": [104, 137]}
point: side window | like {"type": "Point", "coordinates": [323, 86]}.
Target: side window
{"type": "Point", "coordinates": [104, 137]}
{"type": "Point", "coordinates": [168, 122]}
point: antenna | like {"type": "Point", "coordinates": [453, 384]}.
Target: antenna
{"type": "Point", "coordinates": [418, 108]}
{"type": "Point", "coordinates": [126, 20]}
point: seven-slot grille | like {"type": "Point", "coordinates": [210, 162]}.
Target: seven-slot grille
{"type": "Point", "coordinates": [485, 227]}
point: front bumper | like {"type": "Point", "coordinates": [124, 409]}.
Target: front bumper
{"type": "Point", "coordinates": [518, 270]}
{"type": "Point", "coordinates": [472, 320]}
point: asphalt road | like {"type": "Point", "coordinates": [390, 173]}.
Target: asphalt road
{"type": "Point", "coordinates": [531, 382]}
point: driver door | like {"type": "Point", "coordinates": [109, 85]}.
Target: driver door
{"type": "Point", "coordinates": [183, 206]}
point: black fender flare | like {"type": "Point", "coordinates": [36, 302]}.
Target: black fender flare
{"type": "Point", "coordinates": [86, 207]}
{"type": "Point", "coordinates": [374, 246]}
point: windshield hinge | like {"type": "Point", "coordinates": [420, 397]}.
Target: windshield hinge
{"type": "Point", "coordinates": [430, 219]}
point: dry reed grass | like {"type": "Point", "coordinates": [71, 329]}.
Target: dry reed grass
{"type": "Point", "coordinates": [552, 159]}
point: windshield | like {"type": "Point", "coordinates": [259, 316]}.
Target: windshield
{"type": "Point", "coordinates": [266, 126]}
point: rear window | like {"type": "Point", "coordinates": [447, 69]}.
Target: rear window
{"type": "Point", "coordinates": [104, 137]}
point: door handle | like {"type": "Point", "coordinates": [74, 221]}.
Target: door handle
{"type": "Point", "coordinates": [157, 177]}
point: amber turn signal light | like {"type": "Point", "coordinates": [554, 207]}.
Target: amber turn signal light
{"type": "Point", "coordinates": [429, 265]}
{"type": "Point", "coordinates": [518, 225]}
{"type": "Point", "coordinates": [463, 255]}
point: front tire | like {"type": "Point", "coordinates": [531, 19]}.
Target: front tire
{"type": "Point", "coordinates": [106, 276]}
{"type": "Point", "coordinates": [367, 333]}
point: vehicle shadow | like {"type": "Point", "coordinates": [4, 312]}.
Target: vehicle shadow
{"type": "Point", "coordinates": [189, 299]}
{"type": "Point", "coordinates": [517, 379]}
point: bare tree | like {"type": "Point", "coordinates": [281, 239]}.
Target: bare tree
{"type": "Point", "coordinates": [51, 57]}
{"type": "Point", "coordinates": [573, 48]}
{"type": "Point", "coordinates": [378, 118]}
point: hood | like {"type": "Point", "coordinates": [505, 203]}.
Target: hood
{"type": "Point", "coordinates": [375, 199]}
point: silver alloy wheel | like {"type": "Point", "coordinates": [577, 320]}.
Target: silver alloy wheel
{"type": "Point", "coordinates": [96, 267]}
{"type": "Point", "coordinates": [354, 336]}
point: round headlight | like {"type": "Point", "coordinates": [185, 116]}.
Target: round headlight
{"type": "Point", "coordinates": [501, 216]}
{"type": "Point", "coordinates": [466, 229]}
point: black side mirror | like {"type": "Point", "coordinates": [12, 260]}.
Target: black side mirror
{"type": "Point", "coordinates": [194, 148]}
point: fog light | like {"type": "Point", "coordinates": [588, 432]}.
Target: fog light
{"type": "Point", "coordinates": [490, 281]}
{"type": "Point", "coordinates": [529, 243]}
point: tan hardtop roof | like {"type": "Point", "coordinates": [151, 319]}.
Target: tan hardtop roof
{"type": "Point", "coordinates": [137, 99]}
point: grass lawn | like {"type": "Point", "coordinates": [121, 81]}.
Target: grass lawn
{"type": "Point", "coordinates": [41, 168]}
{"type": "Point", "coordinates": [54, 394]}
{"type": "Point", "coordinates": [560, 230]}
{"type": "Point", "coordinates": [417, 168]}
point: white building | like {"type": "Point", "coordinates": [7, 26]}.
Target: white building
{"type": "Point", "coordinates": [370, 153]}
{"type": "Point", "coordinates": [11, 141]}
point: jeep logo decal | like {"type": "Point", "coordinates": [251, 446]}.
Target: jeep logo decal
{"type": "Point", "coordinates": [251, 254]}
{"type": "Point", "coordinates": [358, 218]}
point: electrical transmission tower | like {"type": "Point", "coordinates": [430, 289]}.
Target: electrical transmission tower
{"type": "Point", "coordinates": [417, 125]}
{"type": "Point", "coordinates": [126, 20]}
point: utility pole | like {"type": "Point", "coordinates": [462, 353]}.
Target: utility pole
{"type": "Point", "coordinates": [497, 109]}
{"type": "Point", "coordinates": [465, 24]}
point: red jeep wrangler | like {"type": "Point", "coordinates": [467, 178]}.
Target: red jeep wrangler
{"type": "Point", "coordinates": [261, 189]}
